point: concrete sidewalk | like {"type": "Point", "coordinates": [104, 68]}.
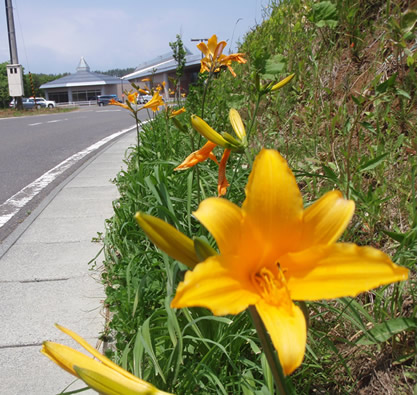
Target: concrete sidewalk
{"type": "Point", "coordinates": [45, 277]}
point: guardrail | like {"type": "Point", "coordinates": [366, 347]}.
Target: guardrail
{"type": "Point", "coordinates": [77, 103]}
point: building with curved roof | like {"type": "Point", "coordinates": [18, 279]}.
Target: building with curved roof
{"type": "Point", "coordinates": [163, 69]}
{"type": "Point", "coordinates": [83, 85]}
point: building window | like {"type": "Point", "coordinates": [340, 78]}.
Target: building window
{"type": "Point", "coordinates": [59, 97]}
{"type": "Point", "coordinates": [85, 95]}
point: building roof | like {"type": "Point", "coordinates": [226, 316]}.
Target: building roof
{"type": "Point", "coordinates": [162, 64]}
{"type": "Point", "coordinates": [82, 77]}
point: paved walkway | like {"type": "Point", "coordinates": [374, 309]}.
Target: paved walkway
{"type": "Point", "coordinates": [45, 277]}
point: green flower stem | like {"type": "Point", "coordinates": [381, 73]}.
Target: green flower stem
{"type": "Point", "coordinates": [254, 116]}
{"type": "Point", "coordinates": [276, 369]}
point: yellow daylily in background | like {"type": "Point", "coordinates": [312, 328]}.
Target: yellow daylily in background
{"type": "Point", "coordinates": [201, 155]}
{"type": "Point", "coordinates": [155, 102]}
{"type": "Point", "coordinates": [222, 182]}
{"type": "Point", "coordinates": [214, 58]}
{"type": "Point", "coordinates": [273, 251]}
{"type": "Point", "coordinates": [103, 376]}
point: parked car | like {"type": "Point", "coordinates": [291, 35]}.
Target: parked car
{"type": "Point", "coordinates": [104, 100]}
{"type": "Point", "coordinates": [48, 103]}
{"type": "Point", "coordinates": [28, 104]}
{"type": "Point", "coordinates": [143, 99]}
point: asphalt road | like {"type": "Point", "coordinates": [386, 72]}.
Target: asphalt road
{"type": "Point", "coordinates": [33, 145]}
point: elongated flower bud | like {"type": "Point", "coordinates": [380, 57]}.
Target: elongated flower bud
{"type": "Point", "coordinates": [282, 83]}
{"type": "Point", "coordinates": [237, 124]}
{"type": "Point", "coordinates": [168, 239]}
{"type": "Point", "coordinates": [208, 132]}
{"type": "Point", "coordinates": [203, 249]}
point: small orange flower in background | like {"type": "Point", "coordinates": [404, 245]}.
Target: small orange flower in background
{"type": "Point", "coordinates": [117, 103]}
{"type": "Point", "coordinates": [155, 102]}
{"type": "Point", "coordinates": [177, 112]}
{"type": "Point", "coordinates": [273, 251]}
{"type": "Point", "coordinates": [201, 155]}
{"type": "Point", "coordinates": [214, 59]}
{"type": "Point", "coordinates": [132, 97]}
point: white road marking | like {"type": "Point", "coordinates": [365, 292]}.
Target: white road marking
{"type": "Point", "coordinates": [12, 205]}
{"type": "Point", "coordinates": [107, 110]}
{"type": "Point", "coordinates": [34, 124]}
{"type": "Point", "coordinates": [54, 120]}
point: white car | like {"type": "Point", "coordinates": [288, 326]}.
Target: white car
{"type": "Point", "coordinates": [48, 103]}
{"type": "Point", "coordinates": [143, 99]}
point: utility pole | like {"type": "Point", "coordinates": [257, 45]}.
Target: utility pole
{"type": "Point", "coordinates": [14, 69]}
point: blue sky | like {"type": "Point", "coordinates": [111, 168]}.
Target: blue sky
{"type": "Point", "coordinates": [52, 35]}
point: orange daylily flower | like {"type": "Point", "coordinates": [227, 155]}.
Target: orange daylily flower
{"type": "Point", "coordinates": [144, 91]}
{"type": "Point", "coordinates": [201, 155]}
{"type": "Point", "coordinates": [273, 251]}
{"type": "Point", "coordinates": [117, 103]}
{"type": "Point", "coordinates": [222, 182]}
{"type": "Point", "coordinates": [214, 59]}
{"type": "Point", "coordinates": [155, 102]}
{"type": "Point", "coordinates": [177, 112]}
{"type": "Point", "coordinates": [132, 97]}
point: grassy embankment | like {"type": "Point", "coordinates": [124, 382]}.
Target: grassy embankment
{"type": "Point", "coordinates": [347, 121]}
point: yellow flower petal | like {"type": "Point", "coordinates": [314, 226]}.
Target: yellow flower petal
{"type": "Point", "coordinates": [225, 228]}
{"type": "Point", "coordinates": [66, 357]}
{"type": "Point", "coordinates": [212, 286]}
{"type": "Point", "coordinates": [168, 239]}
{"type": "Point", "coordinates": [287, 329]}
{"type": "Point", "coordinates": [338, 270]}
{"type": "Point", "coordinates": [212, 44]}
{"type": "Point", "coordinates": [273, 201]}
{"type": "Point", "coordinates": [203, 48]}
{"type": "Point", "coordinates": [97, 354]}
{"type": "Point", "coordinates": [106, 381]}
{"type": "Point", "coordinates": [325, 220]}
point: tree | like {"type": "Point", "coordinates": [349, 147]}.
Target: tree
{"type": "Point", "coordinates": [179, 56]}
{"type": "Point", "coordinates": [4, 86]}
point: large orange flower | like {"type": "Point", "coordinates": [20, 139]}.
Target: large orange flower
{"type": "Point", "coordinates": [214, 59]}
{"type": "Point", "coordinates": [273, 251]}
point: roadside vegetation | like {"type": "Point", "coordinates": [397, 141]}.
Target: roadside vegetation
{"type": "Point", "coordinates": [346, 121]}
{"type": "Point", "coordinates": [11, 112]}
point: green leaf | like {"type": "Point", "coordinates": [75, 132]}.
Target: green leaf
{"type": "Point", "coordinates": [395, 236]}
{"type": "Point", "coordinates": [382, 332]}
{"type": "Point", "coordinates": [405, 94]}
{"type": "Point", "coordinates": [274, 66]}
{"type": "Point", "coordinates": [408, 21]}
{"type": "Point", "coordinates": [389, 83]}
{"type": "Point", "coordinates": [372, 163]}
{"type": "Point", "coordinates": [324, 14]}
